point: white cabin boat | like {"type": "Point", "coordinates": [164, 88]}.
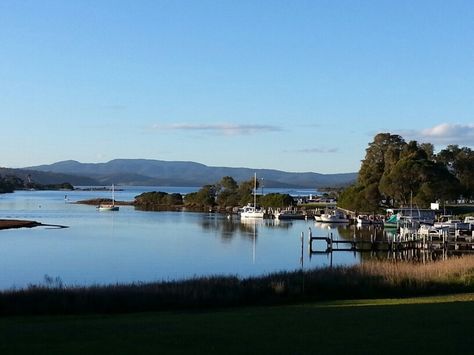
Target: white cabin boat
{"type": "Point", "coordinates": [334, 216]}
{"type": "Point", "coordinates": [250, 211]}
{"type": "Point", "coordinates": [469, 220]}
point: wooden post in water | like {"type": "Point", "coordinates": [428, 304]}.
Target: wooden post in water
{"type": "Point", "coordinates": [302, 239]}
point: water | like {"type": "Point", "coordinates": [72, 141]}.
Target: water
{"type": "Point", "coordinates": [137, 246]}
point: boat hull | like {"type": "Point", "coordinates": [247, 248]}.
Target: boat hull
{"type": "Point", "coordinates": [108, 208]}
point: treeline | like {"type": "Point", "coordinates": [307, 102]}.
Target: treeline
{"type": "Point", "coordinates": [226, 194]}
{"type": "Point", "coordinates": [10, 183]}
{"type": "Point", "coordinates": [396, 173]}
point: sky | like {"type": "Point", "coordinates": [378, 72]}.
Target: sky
{"type": "Point", "coordinates": [289, 85]}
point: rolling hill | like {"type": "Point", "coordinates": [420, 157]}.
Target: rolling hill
{"type": "Point", "coordinates": [180, 173]}
{"type": "Point", "coordinates": [46, 177]}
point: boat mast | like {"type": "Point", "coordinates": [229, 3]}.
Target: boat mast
{"type": "Point", "coordinates": [113, 195]}
{"type": "Point", "coordinates": [255, 191]}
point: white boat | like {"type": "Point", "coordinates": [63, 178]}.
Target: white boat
{"type": "Point", "coordinates": [427, 230]}
{"type": "Point", "coordinates": [111, 206]}
{"type": "Point", "coordinates": [251, 211]}
{"type": "Point", "coordinates": [451, 223]}
{"type": "Point", "coordinates": [334, 216]}
{"type": "Point", "coordinates": [469, 220]}
{"type": "Point", "coordinates": [318, 214]}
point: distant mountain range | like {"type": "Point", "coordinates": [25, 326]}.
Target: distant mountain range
{"type": "Point", "coordinates": [46, 178]}
{"type": "Point", "coordinates": [143, 172]}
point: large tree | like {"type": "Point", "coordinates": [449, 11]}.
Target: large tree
{"type": "Point", "coordinates": [398, 173]}
{"type": "Point", "coordinates": [460, 162]}
{"type": "Point", "coordinates": [380, 158]}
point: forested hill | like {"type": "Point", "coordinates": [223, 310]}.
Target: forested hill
{"type": "Point", "coordinates": [46, 178]}
{"type": "Point", "coordinates": [177, 173]}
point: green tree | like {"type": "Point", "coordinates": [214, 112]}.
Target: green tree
{"type": "Point", "coordinates": [205, 197]}
{"type": "Point", "coordinates": [227, 192]}
{"type": "Point", "coordinates": [245, 191]}
{"type": "Point", "coordinates": [460, 162]}
{"type": "Point", "coordinates": [380, 158]}
{"type": "Point", "coordinates": [397, 172]}
{"type": "Point", "coordinates": [277, 200]}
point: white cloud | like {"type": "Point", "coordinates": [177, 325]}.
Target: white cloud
{"type": "Point", "coordinates": [445, 133]}
{"type": "Point", "coordinates": [223, 128]}
{"type": "Point", "coordinates": [314, 150]}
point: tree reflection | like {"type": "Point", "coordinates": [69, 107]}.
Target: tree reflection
{"type": "Point", "coordinates": [230, 226]}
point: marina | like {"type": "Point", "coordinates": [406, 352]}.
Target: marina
{"type": "Point", "coordinates": [138, 246]}
{"type": "Point", "coordinates": [132, 245]}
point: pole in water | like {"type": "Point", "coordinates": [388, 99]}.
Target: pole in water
{"type": "Point", "coordinates": [301, 258]}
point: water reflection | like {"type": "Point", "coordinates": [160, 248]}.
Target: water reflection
{"type": "Point", "coordinates": [229, 227]}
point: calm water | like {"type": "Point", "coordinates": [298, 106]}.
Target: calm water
{"type": "Point", "coordinates": [130, 246]}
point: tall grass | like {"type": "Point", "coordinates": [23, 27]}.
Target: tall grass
{"type": "Point", "coordinates": [372, 279]}
{"type": "Point", "coordinates": [454, 270]}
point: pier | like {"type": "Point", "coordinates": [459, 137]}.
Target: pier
{"type": "Point", "coordinates": [413, 244]}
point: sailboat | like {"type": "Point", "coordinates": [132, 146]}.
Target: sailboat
{"type": "Point", "coordinates": [251, 211]}
{"type": "Point", "coordinates": [109, 207]}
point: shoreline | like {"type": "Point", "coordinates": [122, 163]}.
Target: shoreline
{"type": "Point", "coordinates": [16, 223]}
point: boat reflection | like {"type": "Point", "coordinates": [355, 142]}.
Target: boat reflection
{"type": "Point", "coordinates": [228, 228]}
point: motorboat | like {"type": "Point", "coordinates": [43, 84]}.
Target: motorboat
{"type": "Point", "coordinates": [334, 216]}
{"type": "Point", "coordinates": [469, 220]}
{"type": "Point", "coordinates": [318, 214]}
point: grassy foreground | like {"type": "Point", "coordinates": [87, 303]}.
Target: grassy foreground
{"type": "Point", "coordinates": [372, 279]}
{"type": "Point", "coordinates": [433, 325]}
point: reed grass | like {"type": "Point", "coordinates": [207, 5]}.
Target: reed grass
{"type": "Point", "coordinates": [368, 280]}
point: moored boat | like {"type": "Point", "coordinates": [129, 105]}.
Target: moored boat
{"type": "Point", "coordinates": [334, 216]}
{"type": "Point", "coordinates": [109, 206]}
{"type": "Point", "coordinates": [469, 220]}
{"type": "Point", "coordinates": [252, 211]}
{"type": "Point", "coordinates": [451, 223]}
{"type": "Point", "coordinates": [289, 214]}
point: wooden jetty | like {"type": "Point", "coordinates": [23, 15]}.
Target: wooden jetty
{"type": "Point", "coordinates": [448, 243]}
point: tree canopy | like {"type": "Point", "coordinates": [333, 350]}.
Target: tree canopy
{"type": "Point", "coordinates": [395, 173]}
{"type": "Point", "coordinates": [228, 193]}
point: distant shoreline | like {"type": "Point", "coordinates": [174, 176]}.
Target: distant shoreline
{"type": "Point", "coordinates": [17, 223]}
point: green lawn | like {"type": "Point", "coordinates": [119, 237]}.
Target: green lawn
{"type": "Point", "coordinates": [433, 325]}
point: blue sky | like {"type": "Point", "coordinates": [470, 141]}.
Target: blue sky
{"type": "Point", "coordinates": [289, 85]}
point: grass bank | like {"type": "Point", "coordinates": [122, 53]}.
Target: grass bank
{"type": "Point", "coordinates": [373, 279]}
{"type": "Point", "coordinates": [417, 326]}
